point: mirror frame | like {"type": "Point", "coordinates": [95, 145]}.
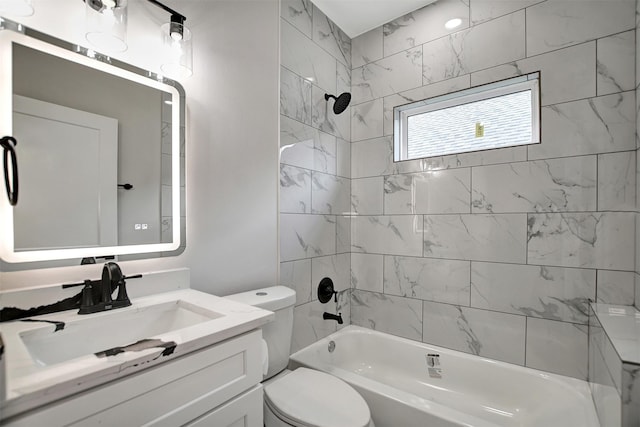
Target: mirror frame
{"type": "Point", "coordinates": [10, 33]}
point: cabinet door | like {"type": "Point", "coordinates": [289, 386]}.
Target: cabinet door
{"type": "Point", "coordinates": [243, 411]}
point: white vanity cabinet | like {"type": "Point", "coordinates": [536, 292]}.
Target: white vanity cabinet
{"type": "Point", "coordinates": [215, 386]}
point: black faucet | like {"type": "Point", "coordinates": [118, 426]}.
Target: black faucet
{"type": "Point", "coordinates": [336, 317]}
{"type": "Point", "coordinates": [96, 294]}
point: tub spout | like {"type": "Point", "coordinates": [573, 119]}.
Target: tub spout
{"type": "Point", "coordinates": [336, 317]}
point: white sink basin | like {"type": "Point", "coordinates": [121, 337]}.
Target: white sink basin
{"type": "Point", "coordinates": [114, 332]}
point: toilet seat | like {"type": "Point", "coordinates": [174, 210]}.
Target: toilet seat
{"type": "Point", "coordinates": [309, 398]}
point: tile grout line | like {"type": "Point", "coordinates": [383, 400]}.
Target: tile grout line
{"type": "Point", "coordinates": [422, 318]}
{"type": "Point", "coordinates": [418, 257]}
{"type": "Point", "coordinates": [597, 183]}
{"type": "Point", "coordinates": [595, 68]}
{"type": "Point", "coordinates": [526, 242]}
{"type": "Point", "coordinates": [471, 189]}
{"type": "Point", "coordinates": [478, 214]}
{"type": "Point", "coordinates": [505, 162]}
{"type": "Point", "coordinates": [526, 324]}
{"type": "Point", "coordinates": [470, 280]}
{"type": "Point", "coordinates": [383, 271]}
{"type": "Point", "coordinates": [486, 310]}
{"type": "Point", "coordinates": [423, 233]}
{"type": "Point", "coordinates": [596, 289]}
{"type": "Point", "coordinates": [525, 33]}
{"type": "Point", "coordinates": [421, 68]}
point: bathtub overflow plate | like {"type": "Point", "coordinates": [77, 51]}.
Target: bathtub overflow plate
{"type": "Point", "coordinates": [332, 346]}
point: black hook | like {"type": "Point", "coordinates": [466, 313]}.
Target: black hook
{"type": "Point", "coordinates": [8, 143]}
{"type": "Point", "coordinates": [126, 186]}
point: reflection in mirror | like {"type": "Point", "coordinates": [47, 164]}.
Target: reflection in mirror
{"type": "Point", "coordinates": [99, 156]}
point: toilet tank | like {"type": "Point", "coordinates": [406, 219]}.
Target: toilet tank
{"type": "Point", "coordinates": [277, 333]}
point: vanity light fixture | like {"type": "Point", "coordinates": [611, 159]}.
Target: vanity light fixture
{"type": "Point", "coordinates": [106, 24]}
{"type": "Point", "coordinates": [16, 7]}
{"type": "Point", "coordinates": [107, 29]}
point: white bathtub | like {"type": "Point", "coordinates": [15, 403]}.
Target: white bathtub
{"type": "Point", "coordinates": [392, 374]}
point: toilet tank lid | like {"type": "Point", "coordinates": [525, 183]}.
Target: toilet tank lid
{"type": "Point", "coordinates": [273, 298]}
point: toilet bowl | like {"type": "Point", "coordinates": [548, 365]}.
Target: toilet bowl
{"type": "Point", "coordinates": [308, 398]}
{"type": "Point", "coordinates": [303, 397]}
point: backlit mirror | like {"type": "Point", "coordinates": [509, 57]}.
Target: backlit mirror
{"type": "Point", "coordinates": [100, 154]}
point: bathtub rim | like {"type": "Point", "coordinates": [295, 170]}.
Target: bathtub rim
{"type": "Point", "coordinates": [354, 329]}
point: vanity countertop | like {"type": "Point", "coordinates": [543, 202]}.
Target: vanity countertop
{"type": "Point", "coordinates": [53, 356]}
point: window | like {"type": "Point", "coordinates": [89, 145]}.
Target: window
{"type": "Point", "coordinates": [497, 115]}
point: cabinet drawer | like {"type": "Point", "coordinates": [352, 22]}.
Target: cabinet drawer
{"type": "Point", "coordinates": [243, 411]}
{"type": "Point", "coordinates": [171, 394]}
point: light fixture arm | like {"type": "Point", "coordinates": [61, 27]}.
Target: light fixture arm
{"type": "Point", "coordinates": [175, 16]}
{"type": "Point", "coordinates": [177, 19]}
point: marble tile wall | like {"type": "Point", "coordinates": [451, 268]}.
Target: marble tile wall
{"type": "Point", "coordinates": [637, 105]}
{"type": "Point", "coordinates": [614, 382]}
{"type": "Point", "coordinates": [315, 166]}
{"type": "Point", "coordinates": [497, 253]}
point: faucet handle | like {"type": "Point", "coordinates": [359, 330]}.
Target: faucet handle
{"type": "Point", "coordinates": [122, 298]}
{"type": "Point", "coordinates": [87, 300]}
{"type": "Point", "coordinates": [87, 294]}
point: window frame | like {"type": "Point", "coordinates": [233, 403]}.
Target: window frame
{"type": "Point", "coordinates": [496, 89]}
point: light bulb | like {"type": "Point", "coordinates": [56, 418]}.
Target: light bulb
{"type": "Point", "coordinates": [109, 17]}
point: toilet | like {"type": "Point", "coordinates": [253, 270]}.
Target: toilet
{"type": "Point", "coordinates": [303, 397]}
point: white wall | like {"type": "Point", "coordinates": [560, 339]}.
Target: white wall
{"type": "Point", "coordinates": [232, 243]}
{"type": "Point", "coordinates": [232, 138]}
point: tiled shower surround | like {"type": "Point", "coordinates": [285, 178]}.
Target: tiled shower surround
{"type": "Point", "coordinates": [315, 166]}
{"type": "Point", "coordinates": [494, 253]}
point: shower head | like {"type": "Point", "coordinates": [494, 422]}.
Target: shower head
{"type": "Point", "coordinates": [342, 101]}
